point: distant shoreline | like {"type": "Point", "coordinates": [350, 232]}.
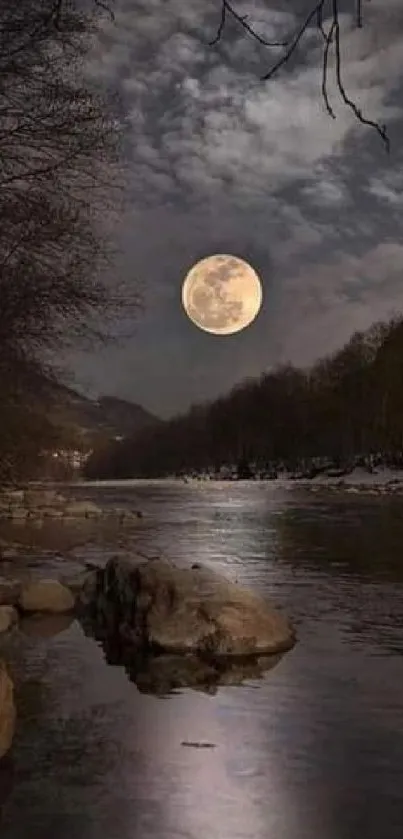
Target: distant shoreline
{"type": "Point", "coordinates": [382, 480]}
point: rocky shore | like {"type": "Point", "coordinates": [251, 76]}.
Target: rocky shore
{"type": "Point", "coordinates": [31, 606]}
{"type": "Point", "coordinates": [378, 482]}
{"type": "Point", "coordinates": [169, 627]}
{"type": "Point", "coordinates": [24, 505]}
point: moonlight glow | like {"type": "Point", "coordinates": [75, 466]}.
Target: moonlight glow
{"type": "Point", "coordinates": [222, 294]}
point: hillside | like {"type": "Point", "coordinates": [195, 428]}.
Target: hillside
{"type": "Point", "coordinates": [109, 417]}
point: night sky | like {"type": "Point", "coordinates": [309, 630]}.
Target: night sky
{"type": "Point", "coordinates": [221, 162]}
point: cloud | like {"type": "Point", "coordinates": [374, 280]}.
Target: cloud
{"type": "Point", "coordinates": [219, 161]}
{"type": "Point", "coordinates": [199, 117]}
{"type": "Point", "coordinates": [323, 304]}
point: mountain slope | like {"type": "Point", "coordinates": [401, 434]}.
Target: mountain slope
{"type": "Point", "coordinates": [109, 417]}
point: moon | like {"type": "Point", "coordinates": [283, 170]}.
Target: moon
{"type": "Point", "coordinates": [222, 294]}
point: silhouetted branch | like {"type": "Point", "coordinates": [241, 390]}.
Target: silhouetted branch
{"type": "Point", "coordinates": [227, 7]}
{"type": "Point", "coordinates": [328, 42]}
{"type": "Point", "coordinates": [381, 129]}
{"type": "Point", "coordinates": [359, 13]}
{"type": "Point", "coordinates": [330, 38]}
{"type": "Point", "coordinates": [106, 8]}
{"type": "Point", "coordinates": [294, 43]}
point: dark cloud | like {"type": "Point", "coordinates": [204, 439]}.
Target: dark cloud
{"type": "Point", "coordinates": [220, 162]}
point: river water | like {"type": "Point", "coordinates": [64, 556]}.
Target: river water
{"type": "Point", "coordinates": [312, 751]}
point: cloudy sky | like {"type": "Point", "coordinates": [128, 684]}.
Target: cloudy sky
{"type": "Point", "coordinates": [222, 162]}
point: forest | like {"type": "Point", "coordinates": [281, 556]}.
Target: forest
{"type": "Point", "coordinates": [348, 405]}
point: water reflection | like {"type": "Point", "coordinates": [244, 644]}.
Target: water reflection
{"type": "Point", "coordinates": [364, 539]}
{"type": "Point", "coordinates": [163, 674]}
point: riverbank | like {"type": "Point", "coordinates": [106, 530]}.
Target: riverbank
{"type": "Point", "coordinates": [381, 481]}
{"type": "Point", "coordinates": [28, 503]}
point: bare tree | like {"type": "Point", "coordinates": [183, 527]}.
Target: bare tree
{"type": "Point", "coordinates": [60, 179]}
{"type": "Point", "coordinates": [61, 182]}
{"type": "Point", "coordinates": [320, 11]}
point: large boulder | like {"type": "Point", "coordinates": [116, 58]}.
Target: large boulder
{"type": "Point", "coordinates": [46, 596]}
{"type": "Point", "coordinates": [7, 710]}
{"type": "Point", "coordinates": [160, 607]}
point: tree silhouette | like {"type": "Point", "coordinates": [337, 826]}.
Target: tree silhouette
{"type": "Point", "coordinates": [348, 405]}
{"type": "Point", "coordinates": [61, 183]}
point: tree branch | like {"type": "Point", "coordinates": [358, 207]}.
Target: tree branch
{"type": "Point", "coordinates": [330, 38]}
{"type": "Point", "coordinates": [226, 6]}
{"type": "Point", "coordinates": [381, 129]}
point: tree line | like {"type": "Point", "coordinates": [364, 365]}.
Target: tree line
{"type": "Point", "coordinates": [347, 405]}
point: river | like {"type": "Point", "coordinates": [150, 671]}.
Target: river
{"type": "Point", "coordinates": [312, 751]}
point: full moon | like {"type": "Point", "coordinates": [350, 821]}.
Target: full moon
{"type": "Point", "coordinates": [222, 294]}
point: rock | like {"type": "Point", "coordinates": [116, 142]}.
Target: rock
{"type": "Point", "coordinates": [9, 592]}
{"type": "Point", "coordinates": [45, 626]}
{"type": "Point", "coordinates": [158, 606]}
{"type": "Point", "coordinates": [14, 496]}
{"type": "Point", "coordinates": [8, 617]}
{"type": "Point", "coordinates": [86, 509]}
{"type": "Point", "coordinates": [77, 582]}
{"type": "Point", "coordinates": [52, 513]}
{"type": "Point", "coordinates": [46, 596]}
{"type": "Point", "coordinates": [18, 513]}
{"type": "Point", "coordinates": [9, 553]}
{"type": "Point", "coordinates": [7, 710]}
{"type": "Point", "coordinates": [129, 515]}
{"type": "Point", "coordinates": [123, 514]}
{"type": "Point", "coordinates": [40, 497]}
{"type": "Point", "coordinates": [60, 499]}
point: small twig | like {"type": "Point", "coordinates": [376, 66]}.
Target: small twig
{"type": "Point", "coordinates": [221, 25]}
{"type": "Point", "coordinates": [319, 22]}
{"type": "Point", "coordinates": [381, 129]}
{"type": "Point", "coordinates": [106, 8]}
{"type": "Point", "coordinates": [226, 6]}
{"type": "Point", "coordinates": [359, 14]}
{"type": "Point", "coordinates": [295, 41]}
{"type": "Point", "coordinates": [329, 40]}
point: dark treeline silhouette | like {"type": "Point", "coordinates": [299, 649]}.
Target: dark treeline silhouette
{"type": "Point", "coordinates": [348, 405]}
{"type": "Point", "coordinates": [61, 182]}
